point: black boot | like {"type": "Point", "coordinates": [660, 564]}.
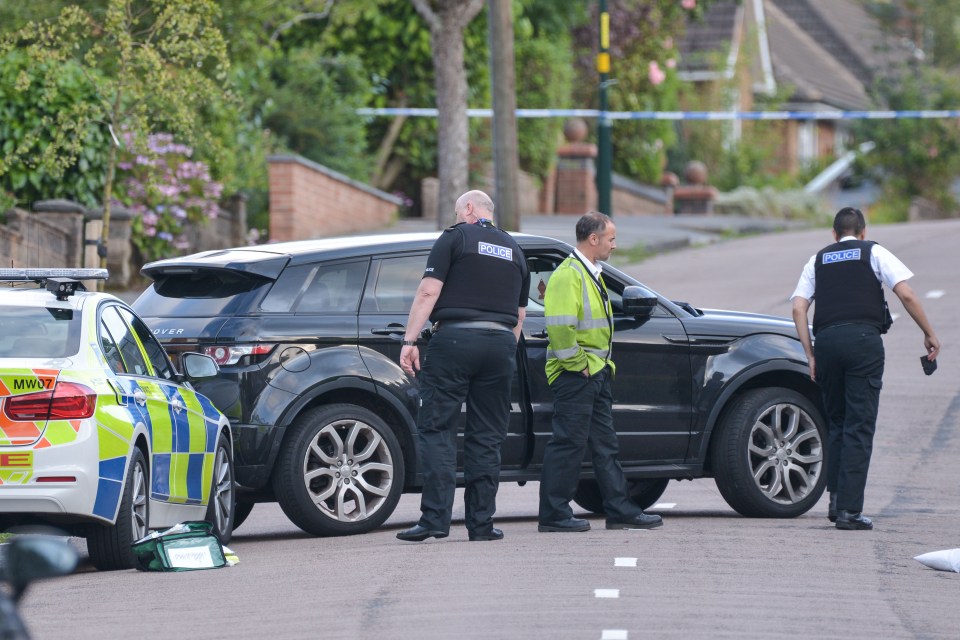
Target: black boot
{"type": "Point", "coordinates": [853, 521]}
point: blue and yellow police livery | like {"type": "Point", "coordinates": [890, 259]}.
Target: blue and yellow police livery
{"type": "Point", "coordinates": [99, 435]}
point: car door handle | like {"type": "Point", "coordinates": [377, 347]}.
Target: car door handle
{"type": "Point", "coordinates": [389, 330]}
{"type": "Point", "coordinates": [676, 339]}
{"type": "Point", "coordinates": [539, 334]}
{"type": "Point", "coordinates": [140, 397]}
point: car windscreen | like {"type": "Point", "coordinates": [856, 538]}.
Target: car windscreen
{"type": "Point", "coordinates": [38, 332]}
{"type": "Point", "coordinates": [214, 292]}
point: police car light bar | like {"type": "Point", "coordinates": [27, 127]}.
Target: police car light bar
{"type": "Point", "coordinates": [38, 275]}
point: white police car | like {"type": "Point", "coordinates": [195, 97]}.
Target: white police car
{"type": "Point", "coordinates": [99, 435]}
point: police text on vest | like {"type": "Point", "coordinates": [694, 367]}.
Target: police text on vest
{"type": "Point", "coordinates": [494, 250]}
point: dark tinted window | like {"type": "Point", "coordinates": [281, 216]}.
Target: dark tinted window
{"type": "Point", "coordinates": [38, 332]}
{"type": "Point", "coordinates": [334, 289]}
{"type": "Point", "coordinates": [204, 294]}
{"type": "Point", "coordinates": [288, 288]}
{"type": "Point", "coordinates": [396, 285]}
{"type": "Point", "coordinates": [317, 288]}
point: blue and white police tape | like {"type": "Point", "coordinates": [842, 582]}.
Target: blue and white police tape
{"type": "Point", "coordinates": [679, 115]}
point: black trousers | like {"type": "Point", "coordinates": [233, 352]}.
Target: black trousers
{"type": "Point", "coordinates": [849, 362]}
{"type": "Point", "coordinates": [475, 366]}
{"type": "Point", "coordinates": [582, 418]}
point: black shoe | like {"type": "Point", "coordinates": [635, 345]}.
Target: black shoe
{"type": "Point", "coordinates": [564, 526]}
{"type": "Point", "coordinates": [419, 533]}
{"type": "Point", "coordinates": [495, 534]}
{"type": "Point", "coordinates": [642, 521]}
{"type": "Point", "coordinates": [832, 509]}
{"type": "Point", "coordinates": [853, 520]}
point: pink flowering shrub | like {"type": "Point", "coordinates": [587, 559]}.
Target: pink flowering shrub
{"type": "Point", "coordinates": [165, 189]}
{"type": "Point", "coordinates": [655, 74]}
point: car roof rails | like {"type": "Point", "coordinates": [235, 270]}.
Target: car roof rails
{"type": "Point", "coordinates": [61, 282]}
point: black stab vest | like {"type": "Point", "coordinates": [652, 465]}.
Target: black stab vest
{"type": "Point", "coordinates": [485, 277]}
{"type": "Point", "coordinates": [847, 289]}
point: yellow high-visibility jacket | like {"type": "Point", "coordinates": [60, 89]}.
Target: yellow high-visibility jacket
{"type": "Point", "coordinates": [579, 320]}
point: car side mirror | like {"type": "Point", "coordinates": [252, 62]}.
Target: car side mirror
{"type": "Point", "coordinates": [198, 365]}
{"type": "Point", "coordinates": [638, 302]}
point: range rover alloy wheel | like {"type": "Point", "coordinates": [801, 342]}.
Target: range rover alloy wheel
{"type": "Point", "coordinates": [340, 471]}
{"type": "Point", "coordinates": [769, 454]}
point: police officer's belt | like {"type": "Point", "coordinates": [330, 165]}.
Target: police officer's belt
{"type": "Point", "coordinates": [470, 324]}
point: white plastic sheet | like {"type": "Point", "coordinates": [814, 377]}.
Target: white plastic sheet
{"type": "Point", "coordinates": [946, 560]}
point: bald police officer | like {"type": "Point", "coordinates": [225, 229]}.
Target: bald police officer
{"type": "Point", "coordinates": [475, 290]}
{"type": "Point", "coordinates": [846, 279]}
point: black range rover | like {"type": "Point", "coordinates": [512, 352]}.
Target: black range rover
{"type": "Point", "coordinates": [307, 335]}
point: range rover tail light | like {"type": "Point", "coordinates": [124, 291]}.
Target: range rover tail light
{"type": "Point", "coordinates": [67, 401]}
{"type": "Point", "coordinates": [227, 355]}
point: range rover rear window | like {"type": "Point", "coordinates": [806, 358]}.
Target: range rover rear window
{"type": "Point", "coordinates": [207, 293]}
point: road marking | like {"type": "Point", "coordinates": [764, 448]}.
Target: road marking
{"type": "Point", "coordinates": [606, 593]}
{"type": "Point", "coordinates": [624, 562]}
{"type": "Point", "coordinates": [614, 634]}
{"type": "Point", "coordinates": [935, 293]}
{"type": "Point", "coordinates": [894, 316]}
{"type": "Point", "coordinates": [665, 505]}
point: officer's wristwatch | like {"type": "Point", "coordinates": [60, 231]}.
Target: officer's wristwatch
{"type": "Point", "coordinates": [408, 343]}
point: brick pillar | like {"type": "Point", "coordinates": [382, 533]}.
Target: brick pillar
{"type": "Point", "coordinates": [576, 170]}
{"type": "Point", "coordinates": [697, 196]}
{"type": "Point", "coordinates": [548, 193]}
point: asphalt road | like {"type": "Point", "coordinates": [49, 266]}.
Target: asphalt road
{"type": "Point", "coordinates": [707, 573]}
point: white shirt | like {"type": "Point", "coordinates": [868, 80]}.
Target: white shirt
{"type": "Point", "coordinates": [887, 267]}
{"type": "Point", "coordinates": [595, 269]}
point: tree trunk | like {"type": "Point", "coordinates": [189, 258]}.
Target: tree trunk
{"type": "Point", "coordinates": [447, 24]}
{"type": "Point", "coordinates": [453, 137]}
{"type": "Point", "coordinates": [503, 76]}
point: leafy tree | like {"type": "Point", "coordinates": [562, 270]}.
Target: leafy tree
{"type": "Point", "coordinates": [312, 108]}
{"type": "Point", "coordinates": [154, 63]}
{"type": "Point", "coordinates": [447, 20]}
{"type": "Point", "coordinates": [35, 122]}
{"type": "Point", "coordinates": [546, 84]}
{"type": "Point", "coordinates": [917, 157]}
{"type": "Point", "coordinates": [642, 37]}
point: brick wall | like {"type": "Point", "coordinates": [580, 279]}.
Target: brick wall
{"type": "Point", "coordinates": [308, 200]}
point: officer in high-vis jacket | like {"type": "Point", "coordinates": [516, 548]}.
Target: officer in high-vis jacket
{"type": "Point", "coordinates": [846, 280]}
{"type": "Point", "coordinates": [580, 371]}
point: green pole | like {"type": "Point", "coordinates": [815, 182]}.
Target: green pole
{"type": "Point", "coordinates": [604, 152]}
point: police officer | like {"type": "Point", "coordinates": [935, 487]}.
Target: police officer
{"type": "Point", "coordinates": [579, 322]}
{"type": "Point", "coordinates": [475, 290]}
{"type": "Point", "coordinates": [846, 279]}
